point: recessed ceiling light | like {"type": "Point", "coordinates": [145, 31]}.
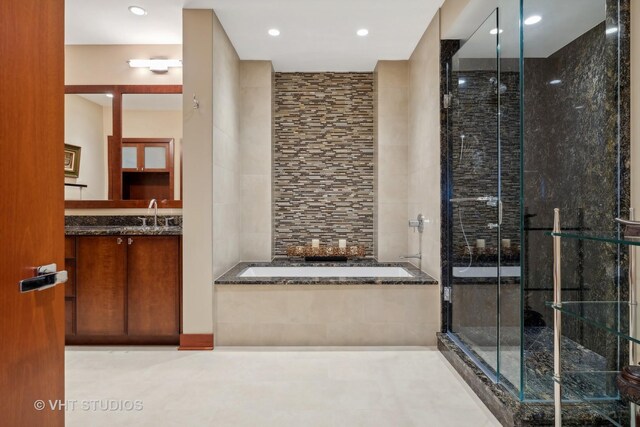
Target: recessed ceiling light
{"type": "Point", "coordinates": [495, 31]}
{"type": "Point", "coordinates": [137, 10]}
{"type": "Point", "coordinates": [532, 20]}
{"type": "Point", "coordinates": [555, 82]}
{"type": "Point", "coordinates": [362, 32]}
{"type": "Point", "coordinates": [611, 30]}
{"type": "Point", "coordinates": [274, 32]}
{"type": "Point", "coordinates": [109, 95]}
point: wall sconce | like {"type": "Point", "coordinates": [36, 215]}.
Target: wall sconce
{"type": "Point", "coordinates": [158, 66]}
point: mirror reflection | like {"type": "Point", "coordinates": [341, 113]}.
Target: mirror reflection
{"type": "Point", "coordinates": [151, 145]}
{"type": "Point", "coordinates": [88, 124]}
{"type": "Point", "coordinates": [152, 135]}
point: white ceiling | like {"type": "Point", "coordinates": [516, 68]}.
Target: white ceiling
{"type": "Point", "coordinates": [562, 22]}
{"type": "Point", "coordinates": [316, 35]}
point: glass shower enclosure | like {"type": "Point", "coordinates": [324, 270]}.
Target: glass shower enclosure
{"type": "Point", "coordinates": [533, 111]}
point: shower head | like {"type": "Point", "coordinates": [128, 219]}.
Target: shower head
{"type": "Point", "coordinates": [494, 82]}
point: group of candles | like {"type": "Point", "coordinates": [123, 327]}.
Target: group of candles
{"type": "Point", "coordinates": [482, 243]}
{"type": "Point", "coordinates": [342, 243]}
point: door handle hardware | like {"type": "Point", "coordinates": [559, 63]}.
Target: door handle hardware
{"type": "Point", "coordinates": [46, 277]}
{"type": "Point", "coordinates": [129, 241]}
{"type": "Point", "coordinates": [119, 240]}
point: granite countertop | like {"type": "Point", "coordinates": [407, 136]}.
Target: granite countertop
{"type": "Point", "coordinates": [231, 277]}
{"type": "Point", "coordinates": [119, 230]}
{"type": "Point", "coordinates": [120, 225]}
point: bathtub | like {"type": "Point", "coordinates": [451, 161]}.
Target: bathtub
{"type": "Point", "coordinates": [485, 272]}
{"type": "Point", "coordinates": [304, 271]}
{"type": "Point", "coordinates": [294, 303]}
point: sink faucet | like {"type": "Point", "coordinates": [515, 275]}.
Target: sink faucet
{"type": "Point", "coordinates": [154, 204]}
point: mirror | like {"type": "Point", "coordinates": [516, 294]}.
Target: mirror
{"type": "Point", "coordinates": [152, 136]}
{"type": "Point", "coordinates": [88, 123]}
{"type": "Point", "coordinates": [123, 145]}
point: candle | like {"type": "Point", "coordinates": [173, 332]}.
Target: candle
{"type": "Point", "coordinates": [315, 243]}
{"type": "Point", "coordinates": [506, 243]}
{"type": "Point", "coordinates": [342, 243]}
{"type": "Point", "coordinates": [480, 243]}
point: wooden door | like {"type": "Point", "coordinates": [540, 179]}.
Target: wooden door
{"type": "Point", "coordinates": [32, 209]}
{"type": "Point", "coordinates": [101, 273]}
{"type": "Point", "coordinates": [153, 264]}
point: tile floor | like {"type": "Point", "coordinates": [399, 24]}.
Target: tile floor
{"type": "Point", "coordinates": [269, 387]}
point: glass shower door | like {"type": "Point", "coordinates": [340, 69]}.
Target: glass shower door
{"type": "Point", "coordinates": [475, 206]}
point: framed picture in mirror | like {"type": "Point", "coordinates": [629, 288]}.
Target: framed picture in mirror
{"type": "Point", "coordinates": [71, 161]}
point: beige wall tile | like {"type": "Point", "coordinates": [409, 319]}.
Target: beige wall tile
{"type": "Point", "coordinates": [326, 315]}
{"type": "Point", "coordinates": [392, 159]}
{"type": "Point", "coordinates": [393, 102]}
{"type": "Point", "coordinates": [424, 146]}
{"type": "Point", "coordinates": [256, 135]}
{"type": "Point", "coordinates": [392, 74]}
{"type": "Point", "coordinates": [198, 175]}
{"type": "Point", "coordinates": [255, 74]}
{"type": "Point", "coordinates": [393, 131]}
{"type": "Point", "coordinates": [256, 246]}
{"type": "Point", "coordinates": [392, 188]}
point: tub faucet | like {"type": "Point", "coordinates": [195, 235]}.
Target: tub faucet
{"type": "Point", "coordinates": [416, 256]}
{"type": "Point", "coordinates": [154, 204]}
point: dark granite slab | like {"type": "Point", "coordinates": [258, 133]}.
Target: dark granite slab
{"type": "Point", "coordinates": [107, 230]}
{"type": "Point", "coordinates": [118, 220]}
{"type": "Point", "coordinates": [507, 407]}
{"type": "Point", "coordinates": [231, 276]}
{"type": "Point", "coordinates": [120, 225]}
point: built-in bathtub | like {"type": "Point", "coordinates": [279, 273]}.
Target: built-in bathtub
{"type": "Point", "coordinates": [356, 303]}
{"type": "Point", "coordinates": [330, 271]}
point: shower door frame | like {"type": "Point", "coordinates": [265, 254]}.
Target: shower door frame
{"type": "Point", "coordinates": [447, 209]}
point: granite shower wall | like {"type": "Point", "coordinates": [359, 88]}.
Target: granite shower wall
{"type": "Point", "coordinates": [323, 174]}
{"type": "Point", "coordinates": [571, 162]}
{"type": "Point", "coordinates": [475, 165]}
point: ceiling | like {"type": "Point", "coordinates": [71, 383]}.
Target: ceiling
{"type": "Point", "coordinates": [316, 35]}
{"type": "Point", "coordinates": [562, 22]}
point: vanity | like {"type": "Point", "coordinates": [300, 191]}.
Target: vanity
{"type": "Point", "coordinates": [124, 282]}
{"type": "Point", "coordinates": [123, 158]}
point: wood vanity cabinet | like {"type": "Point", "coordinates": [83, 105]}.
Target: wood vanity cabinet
{"type": "Point", "coordinates": [127, 289]}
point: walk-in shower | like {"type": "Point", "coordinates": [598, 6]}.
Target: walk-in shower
{"type": "Point", "coordinates": [535, 121]}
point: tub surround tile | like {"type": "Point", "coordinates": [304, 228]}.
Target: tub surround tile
{"type": "Point", "coordinates": [323, 159]}
{"type": "Point", "coordinates": [231, 276]}
{"type": "Point", "coordinates": [326, 314]}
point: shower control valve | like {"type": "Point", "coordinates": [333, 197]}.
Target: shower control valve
{"type": "Point", "coordinates": [418, 223]}
{"type": "Point", "coordinates": [493, 225]}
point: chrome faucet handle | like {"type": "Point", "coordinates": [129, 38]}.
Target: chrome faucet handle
{"type": "Point", "coordinates": [144, 220]}
{"type": "Point", "coordinates": [167, 219]}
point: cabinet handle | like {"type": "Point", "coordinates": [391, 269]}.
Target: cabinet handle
{"type": "Point", "coordinates": [119, 240]}
{"type": "Point", "coordinates": [129, 241]}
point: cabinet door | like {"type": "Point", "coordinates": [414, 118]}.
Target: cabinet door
{"type": "Point", "coordinates": [101, 285]}
{"type": "Point", "coordinates": [130, 157]}
{"type": "Point", "coordinates": [153, 271]}
{"type": "Point", "coordinates": [156, 157]}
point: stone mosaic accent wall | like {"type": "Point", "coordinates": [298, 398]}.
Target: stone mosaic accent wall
{"type": "Point", "coordinates": [323, 179]}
